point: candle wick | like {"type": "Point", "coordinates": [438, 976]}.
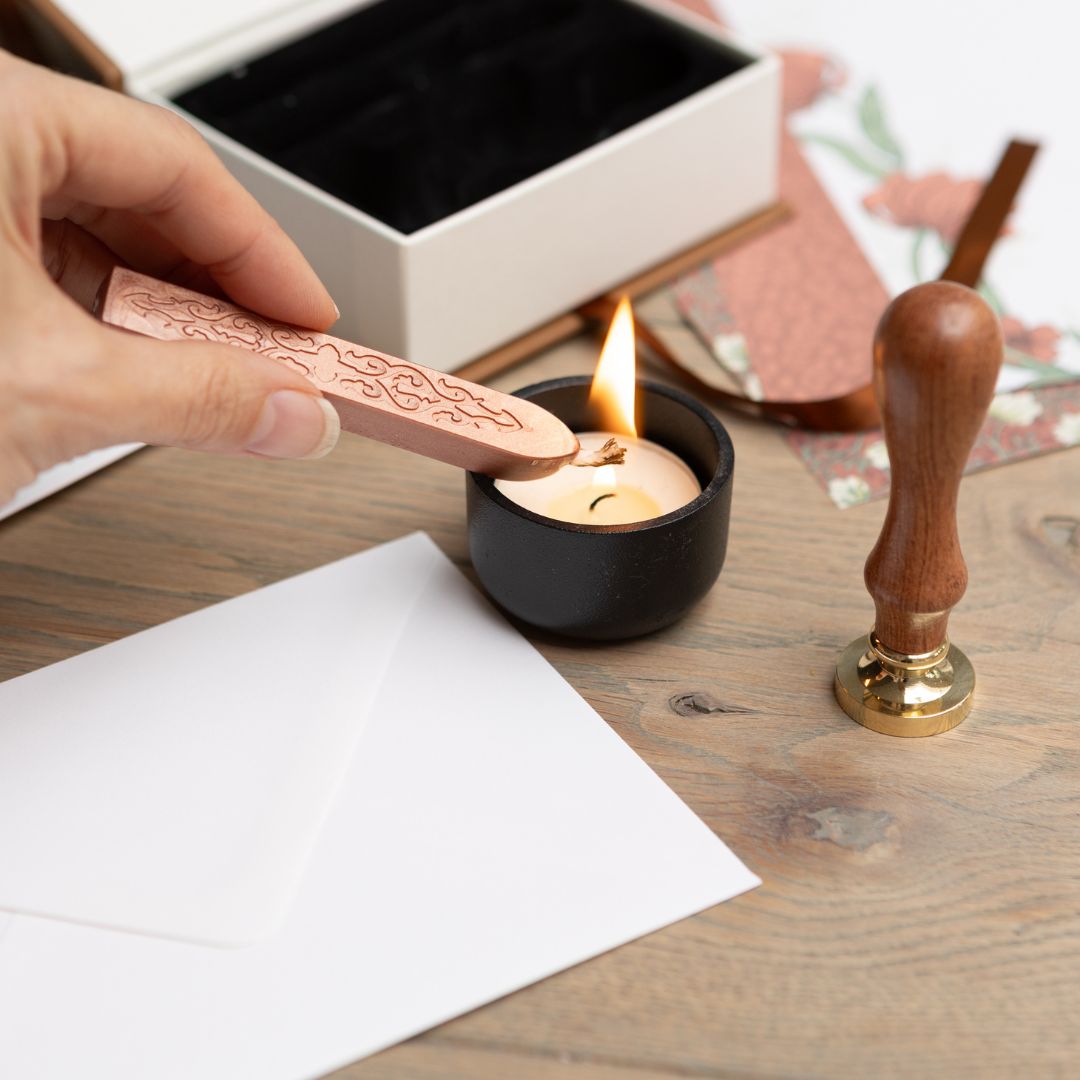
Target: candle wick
{"type": "Point", "coordinates": [601, 498]}
{"type": "Point", "coordinates": [611, 453]}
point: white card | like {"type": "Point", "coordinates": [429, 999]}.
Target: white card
{"type": "Point", "coordinates": [491, 830]}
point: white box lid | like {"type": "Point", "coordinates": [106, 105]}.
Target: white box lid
{"type": "Point", "coordinates": [144, 39]}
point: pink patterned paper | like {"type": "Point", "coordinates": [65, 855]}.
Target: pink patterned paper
{"type": "Point", "coordinates": [791, 314]}
{"type": "Point", "coordinates": [854, 469]}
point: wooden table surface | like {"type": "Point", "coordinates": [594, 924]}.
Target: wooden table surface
{"type": "Point", "coordinates": [921, 908]}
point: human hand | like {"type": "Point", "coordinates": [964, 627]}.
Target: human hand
{"type": "Point", "coordinates": [89, 178]}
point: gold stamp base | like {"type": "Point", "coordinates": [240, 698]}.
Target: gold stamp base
{"type": "Point", "coordinates": [907, 696]}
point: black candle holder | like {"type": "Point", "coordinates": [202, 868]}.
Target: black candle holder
{"type": "Point", "coordinates": [605, 582]}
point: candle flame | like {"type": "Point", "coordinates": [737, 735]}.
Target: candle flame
{"type": "Point", "coordinates": [614, 384]}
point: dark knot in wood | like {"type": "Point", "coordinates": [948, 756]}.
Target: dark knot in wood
{"type": "Point", "coordinates": [699, 703]}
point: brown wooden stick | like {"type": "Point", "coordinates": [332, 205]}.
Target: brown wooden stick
{"type": "Point", "coordinates": [385, 398]}
{"type": "Point", "coordinates": [987, 218]}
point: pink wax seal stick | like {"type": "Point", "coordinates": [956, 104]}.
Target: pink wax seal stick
{"type": "Point", "coordinates": [382, 397]}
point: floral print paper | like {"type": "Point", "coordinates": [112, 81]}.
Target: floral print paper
{"type": "Point", "coordinates": [906, 218]}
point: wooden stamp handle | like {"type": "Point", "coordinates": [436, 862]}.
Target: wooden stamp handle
{"type": "Point", "coordinates": [937, 352]}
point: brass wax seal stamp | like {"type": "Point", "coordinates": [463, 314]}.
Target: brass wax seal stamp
{"type": "Point", "coordinates": [937, 353]}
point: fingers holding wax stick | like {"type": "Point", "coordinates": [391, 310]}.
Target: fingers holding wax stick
{"type": "Point", "coordinates": [650, 482]}
{"type": "Point", "coordinates": [380, 396]}
{"type": "Point", "coordinates": [440, 416]}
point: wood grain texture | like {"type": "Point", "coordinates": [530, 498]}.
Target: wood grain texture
{"type": "Point", "coordinates": [920, 915]}
{"type": "Point", "coordinates": [937, 353]}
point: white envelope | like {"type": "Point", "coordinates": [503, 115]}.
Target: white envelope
{"type": "Point", "coordinates": [60, 476]}
{"type": "Point", "coordinates": [491, 830]}
{"type": "Point", "coordinates": [174, 782]}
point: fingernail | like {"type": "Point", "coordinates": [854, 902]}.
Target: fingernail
{"type": "Point", "coordinates": [295, 425]}
{"type": "Point", "coordinates": [337, 310]}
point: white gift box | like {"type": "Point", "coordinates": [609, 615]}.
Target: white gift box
{"type": "Point", "coordinates": [487, 272]}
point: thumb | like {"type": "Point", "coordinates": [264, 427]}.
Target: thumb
{"type": "Point", "coordinates": [205, 396]}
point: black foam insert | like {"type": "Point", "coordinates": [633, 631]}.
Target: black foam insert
{"type": "Point", "coordinates": [412, 110]}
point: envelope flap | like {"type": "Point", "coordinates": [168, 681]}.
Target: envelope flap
{"type": "Point", "coordinates": [173, 783]}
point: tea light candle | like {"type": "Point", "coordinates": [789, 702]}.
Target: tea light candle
{"type": "Point", "coordinates": [612, 551]}
{"type": "Point", "coordinates": [604, 582]}
{"type": "Point", "coordinates": [651, 482]}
